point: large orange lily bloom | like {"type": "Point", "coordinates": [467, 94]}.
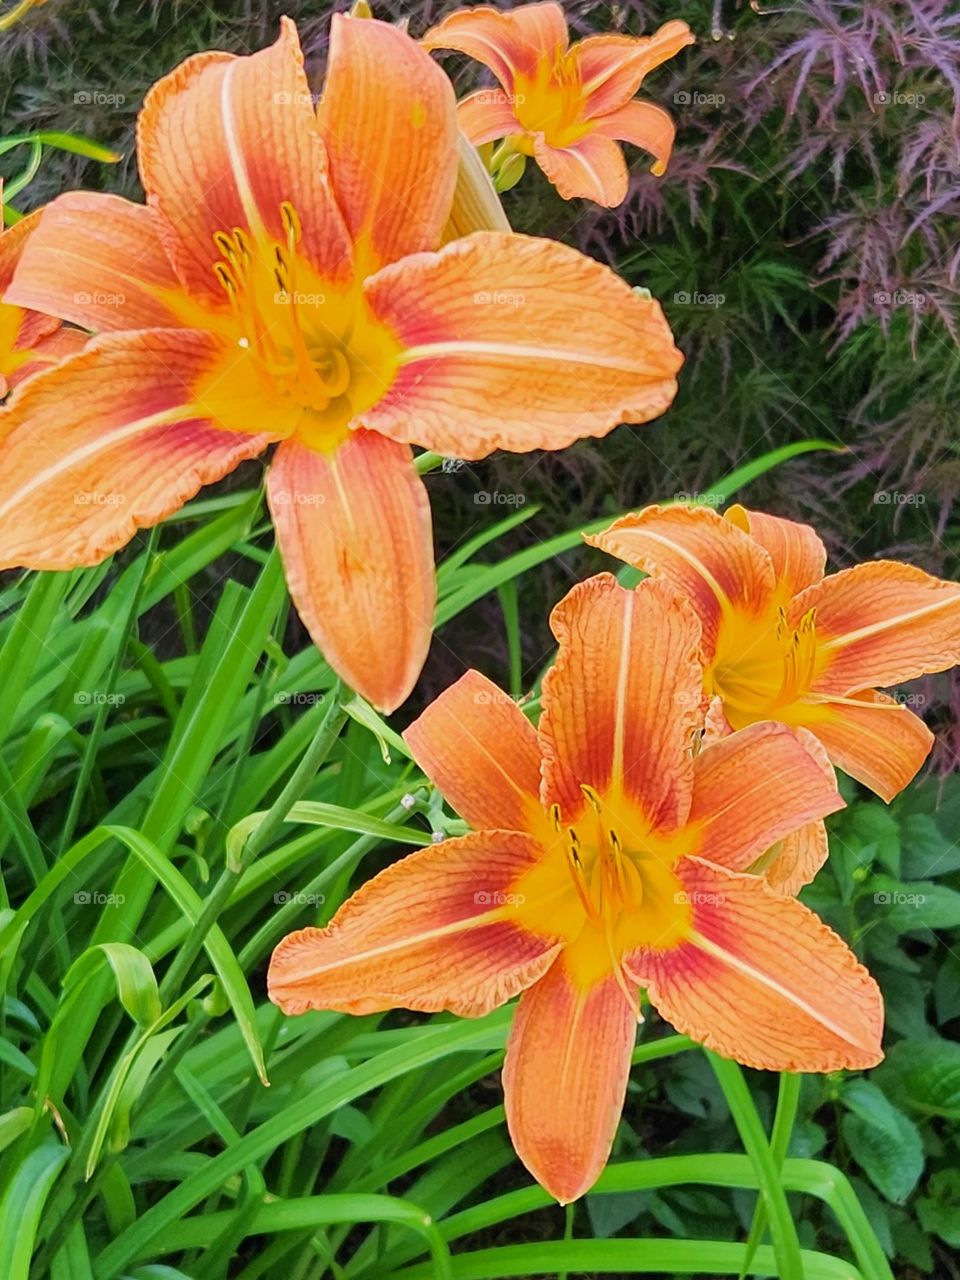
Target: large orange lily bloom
{"type": "Point", "coordinates": [284, 283]}
{"type": "Point", "coordinates": [30, 342]}
{"type": "Point", "coordinates": [566, 105]}
{"type": "Point", "coordinates": [607, 857]}
{"type": "Point", "coordinates": [783, 642]}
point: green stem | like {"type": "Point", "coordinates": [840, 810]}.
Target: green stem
{"type": "Point", "coordinates": [788, 1099]}
{"type": "Point", "coordinates": [783, 1232]}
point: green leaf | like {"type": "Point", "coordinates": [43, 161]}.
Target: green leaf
{"type": "Point", "coordinates": [939, 1210]}
{"type": "Point", "coordinates": [924, 1075]}
{"type": "Point", "coordinates": [919, 905]}
{"type": "Point", "coordinates": [136, 982]}
{"type": "Point", "coordinates": [927, 852]}
{"type": "Point", "coordinates": [892, 1159]}
{"type": "Point", "coordinates": [22, 1206]}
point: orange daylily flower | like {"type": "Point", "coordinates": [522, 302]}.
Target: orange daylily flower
{"type": "Point", "coordinates": [566, 105]}
{"type": "Point", "coordinates": [608, 856]}
{"type": "Point", "coordinates": [783, 642]}
{"type": "Point", "coordinates": [285, 282]}
{"type": "Point", "coordinates": [29, 341]}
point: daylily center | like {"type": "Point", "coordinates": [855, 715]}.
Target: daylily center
{"type": "Point", "coordinates": [763, 667]}
{"type": "Point", "coordinates": [313, 343]}
{"type": "Point", "coordinates": [607, 885]}
{"type": "Point", "coordinates": [551, 101]}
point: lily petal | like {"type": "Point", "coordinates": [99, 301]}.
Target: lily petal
{"type": "Point", "coordinates": [797, 858]}
{"type": "Point", "coordinates": [224, 142]}
{"type": "Point", "coordinates": [753, 788]}
{"type": "Point", "coordinates": [436, 930]}
{"type": "Point", "coordinates": [487, 114]}
{"type": "Point", "coordinates": [476, 745]}
{"type": "Point", "coordinates": [643, 124]}
{"type": "Point", "coordinates": [799, 556]}
{"type": "Point", "coordinates": [875, 740]}
{"type": "Point", "coordinates": [881, 623]}
{"type": "Point", "coordinates": [613, 67]}
{"type": "Point", "coordinates": [388, 118]}
{"type": "Point", "coordinates": [704, 556]}
{"type": "Point", "coordinates": [592, 168]}
{"type": "Point", "coordinates": [517, 343]}
{"type": "Point", "coordinates": [565, 1078]}
{"type": "Point", "coordinates": [354, 532]}
{"type": "Point", "coordinates": [763, 979]}
{"type": "Point", "coordinates": [622, 702]}
{"type": "Point", "coordinates": [509, 43]}
{"type": "Point", "coordinates": [111, 441]}
{"type": "Point", "coordinates": [99, 261]}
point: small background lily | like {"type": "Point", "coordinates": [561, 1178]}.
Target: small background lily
{"type": "Point", "coordinates": [607, 857]}
{"type": "Point", "coordinates": [566, 105]}
{"type": "Point", "coordinates": [282, 284]}
{"type": "Point", "coordinates": [783, 642]}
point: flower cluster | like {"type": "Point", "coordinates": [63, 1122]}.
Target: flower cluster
{"type": "Point", "coordinates": [340, 282]}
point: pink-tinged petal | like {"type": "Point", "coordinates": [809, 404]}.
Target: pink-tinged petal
{"type": "Point", "coordinates": [613, 67]}
{"type": "Point", "coordinates": [487, 114]}
{"type": "Point", "coordinates": [389, 121]}
{"type": "Point", "coordinates": [642, 124]}
{"type": "Point", "coordinates": [881, 623]}
{"type": "Point", "coordinates": [354, 532]}
{"type": "Point", "coordinates": [875, 740]}
{"type": "Point", "coordinates": [593, 168]}
{"type": "Point", "coordinates": [99, 261]}
{"type": "Point", "coordinates": [224, 142]}
{"type": "Point", "coordinates": [753, 788]}
{"type": "Point", "coordinates": [439, 929]}
{"type": "Point", "coordinates": [39, 348]}
{"type": "Point", "coordinates": [798, 555]}
{"type": "Point", "coordinates": [111, 441]}
{"type": "Point", "coordinates": [622, 702]}
{"type": "Point", "coordinates": [565, 1078]}
{"type": "Point", "coordinates": [709, 560]}
{"type": "Point", "coordinates": [476, 745]}
{"type": "Point", "coordinates": [517, 343]}
{"type": "Point", "coordinates": [510, 43]}
{"type": "Point", "coordinates": [763, 980]}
